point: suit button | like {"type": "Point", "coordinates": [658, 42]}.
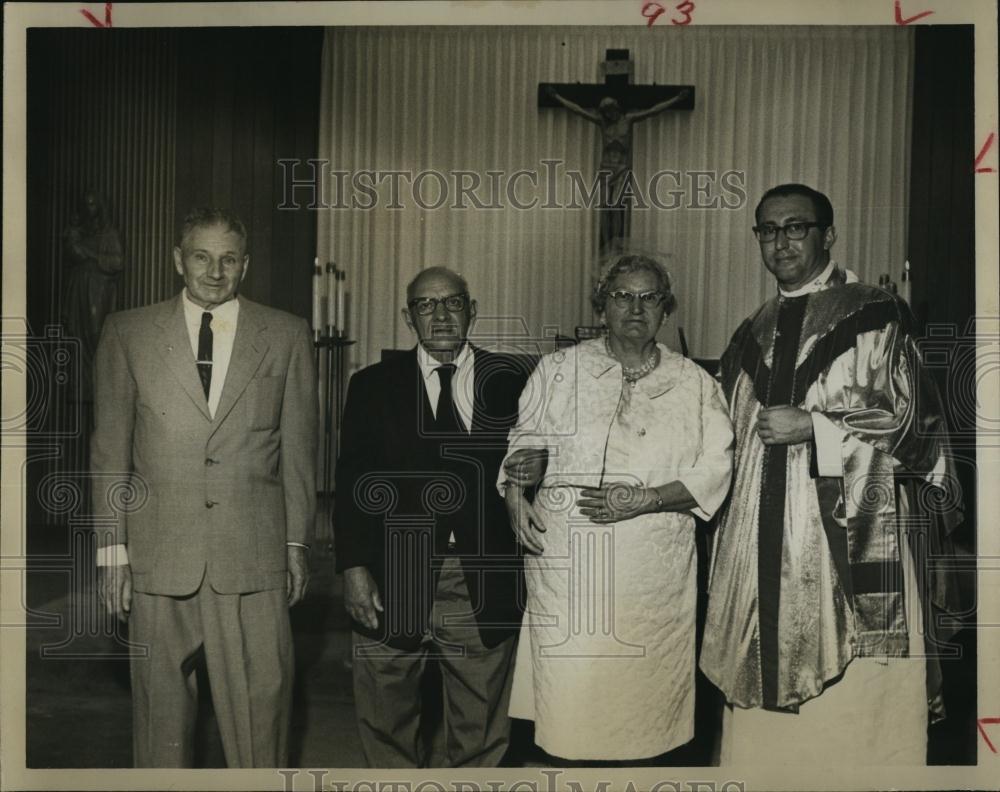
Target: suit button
{"type": "Point", "coordinates": [209, 504]}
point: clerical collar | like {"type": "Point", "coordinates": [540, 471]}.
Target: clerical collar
{"type": "Point", "coordinates": [816, 284]}
{"type": "Point", "coordinates": [428, 364]}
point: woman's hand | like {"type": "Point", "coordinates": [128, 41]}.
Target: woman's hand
{"type": "Point", "coordinates": [526, 466]}
{"type": "Point", "coordinates": [524, 520]}
{"type": "Point", "coordinates": [615, 503]}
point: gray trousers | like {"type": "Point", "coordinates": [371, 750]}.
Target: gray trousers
{"type": "Point", "coordinates": [247, 644]}
{"type": "Point", "coordinates": [476, 682]}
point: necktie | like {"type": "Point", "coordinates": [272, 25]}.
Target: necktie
{"type": "Point", "coordinates": [205, 352]}
{"type": "Point", "coordinates": [447, 419]}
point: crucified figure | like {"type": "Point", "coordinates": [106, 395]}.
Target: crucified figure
{"type": "Point", "coordinates": [616, 155]}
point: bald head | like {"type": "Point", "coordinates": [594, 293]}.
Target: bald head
{"type": "Point", "coordinates": [442, 274]}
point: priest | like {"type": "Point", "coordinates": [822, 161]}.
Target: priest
{"type": "Point", "coordinates": [815, 626]}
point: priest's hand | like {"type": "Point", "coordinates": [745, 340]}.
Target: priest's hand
{"type": "Point", "coordinates": [784, 425]}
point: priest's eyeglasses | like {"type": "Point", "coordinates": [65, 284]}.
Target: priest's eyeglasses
{"type": "Point", "coordinates": [626, 299]}
{"type": "Point", "coordinates": [425, 306]}
{"type": "Point", "coordinates": [793, 231]}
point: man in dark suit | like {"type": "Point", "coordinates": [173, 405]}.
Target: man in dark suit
{"type": "Point", "coordinates": [206, 406]}
{"type": "Point", "coordinates": [429, 560]}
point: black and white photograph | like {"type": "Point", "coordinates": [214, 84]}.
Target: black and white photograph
{"type": "Point", "coordinates": [500, 396]}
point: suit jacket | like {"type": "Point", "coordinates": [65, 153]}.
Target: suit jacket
{"type": "Point", "coordinates": [403, 488]}
{"type": "Point", "coordinates": [213, 498]}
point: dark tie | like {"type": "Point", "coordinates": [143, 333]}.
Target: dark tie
{"type": "Point", "coordinates": [205, 352]}
{"type": "Point", "coordinates": [446, 419]}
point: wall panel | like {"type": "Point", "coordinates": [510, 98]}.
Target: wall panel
{"type": "Point", "coordinates": [160, 121]}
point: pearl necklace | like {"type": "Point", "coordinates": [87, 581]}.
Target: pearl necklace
{"type": "Point", "coordinates": [630, 375]}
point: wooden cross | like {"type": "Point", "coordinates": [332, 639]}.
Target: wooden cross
{"type": "Point", "coordinates": [618, 70]}
{"type": "Point", "coordinates": [615, 105]}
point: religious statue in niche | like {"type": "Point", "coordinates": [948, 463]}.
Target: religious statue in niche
{"type": "Point", "coordinates": [93, 260]}
{"type": "Point", "coordinates": [619, 105]}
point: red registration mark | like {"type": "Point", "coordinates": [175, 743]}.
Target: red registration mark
{"type": "Point", "coordinates": [94, 20]}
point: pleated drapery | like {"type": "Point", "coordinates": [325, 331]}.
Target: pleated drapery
{"type": "Point", "coordinates": [108, 124]}
{"type": "Point", "coordinates": [828, 106]}
{"type": "Point", "coordinates": [114, 134]}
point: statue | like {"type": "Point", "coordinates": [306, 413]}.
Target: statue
{"type": "Point", "coordinates": [615, 167]}
{"type": "Point", "coordinates": [93, 259]}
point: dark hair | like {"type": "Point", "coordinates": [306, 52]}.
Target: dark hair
{"type": "Point", "coordinates": [207, 216]}
{"type": "Point", "coordinates": [625, 264]}
{"type": "Point", "coordinates": [821, 204]}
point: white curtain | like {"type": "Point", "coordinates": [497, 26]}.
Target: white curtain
{"type": "Point", "coordinates": [828, 106]}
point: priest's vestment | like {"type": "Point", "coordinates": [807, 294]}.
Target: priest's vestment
{"type": "Point", "coordinates": [821, 542]}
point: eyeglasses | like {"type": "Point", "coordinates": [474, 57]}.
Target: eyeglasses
{"type": "Point", "coordinates": [626, 299]}
{"type": "Point", "coordinates": [453, 303]}
{"type": "Point", "coordinates": [793, 231]}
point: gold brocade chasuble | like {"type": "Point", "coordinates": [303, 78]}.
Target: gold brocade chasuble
{"type": "Point", "coordinates": [806, 569]}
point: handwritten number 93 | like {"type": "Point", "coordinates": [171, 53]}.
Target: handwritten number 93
{"type": "Point", "coordinates": [652, 11]}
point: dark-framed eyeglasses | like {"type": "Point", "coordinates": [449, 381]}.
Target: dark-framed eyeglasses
{"type": "Point", "coordinates": [425, 306]}
{"type": "Point", "coordinates": [794, 231]}
{"type": "Point", "coordinates": [626, 299]}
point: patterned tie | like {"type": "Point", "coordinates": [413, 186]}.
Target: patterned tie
{"type": "Point", "coordinates": [446, 419]}
{"type": "Point", "coordinates": [205, 352]}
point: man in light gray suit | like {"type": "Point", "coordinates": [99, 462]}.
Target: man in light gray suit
{"type": "Point", "coordinates": [206, 404]}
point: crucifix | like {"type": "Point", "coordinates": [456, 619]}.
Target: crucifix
{"type": "Point", "coordinates": [619, 104]}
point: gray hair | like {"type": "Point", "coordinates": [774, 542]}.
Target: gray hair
{"type": "Point", "coordinates": [627, 263]}
{"type": "Point", "coordinates": [208, 216]}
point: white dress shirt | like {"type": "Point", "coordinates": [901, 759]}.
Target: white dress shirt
{"type": "Point", "coordinates": [462, 382]}
{"type": "Point", "coordinates": [224, 319]}
{"type": "Point", "coordinates": [462, 385]}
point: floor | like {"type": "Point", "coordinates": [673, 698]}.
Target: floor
{"type": "Point", "coordinates": [78, 687]}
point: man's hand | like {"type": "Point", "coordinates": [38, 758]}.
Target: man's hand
{"type": "Point", "coordinates": [361, 597]}
{"type": "Point", "coordinates": [298, 573]}
{"type": "Point", "coordinates": [114, 588]}
{"type": "Point", "coordinates": [526, 466]}
{"type": "Point", "coordinates": [784, 425]}
{"type": "Point", "coordinates": [524, 520]}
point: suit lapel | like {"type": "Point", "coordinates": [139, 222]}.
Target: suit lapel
{"type": "Point", "coordinates": [477, 403]}
{"type": "Point", "coordinates": [410, 411]}
{"type": "Point", "coordinates": [174, 346]}
{"type": "Point", "coordinates": [249, 347]}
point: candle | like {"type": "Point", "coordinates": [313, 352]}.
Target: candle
{"type": "Point", "coordinates": [317, 318]}
{"type": "Point", "coordinates": [906, 289]}
{"type": "Point", "coordinates": [341, 278]}
{"type": "Point", "coordinates": [331, 290]}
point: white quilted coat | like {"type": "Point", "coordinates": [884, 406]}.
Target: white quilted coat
{"type": "Point", "coordinates": [606, 661]}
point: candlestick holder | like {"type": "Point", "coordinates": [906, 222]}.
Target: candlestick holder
{"type": "Point", "coordinates": [331, 350]}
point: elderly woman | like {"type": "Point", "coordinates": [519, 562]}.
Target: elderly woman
{"type": "Point", "coordinates": [637, 441]}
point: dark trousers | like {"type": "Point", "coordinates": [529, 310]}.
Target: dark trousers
{"type": "Point", "coordinates": [476, 682]}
